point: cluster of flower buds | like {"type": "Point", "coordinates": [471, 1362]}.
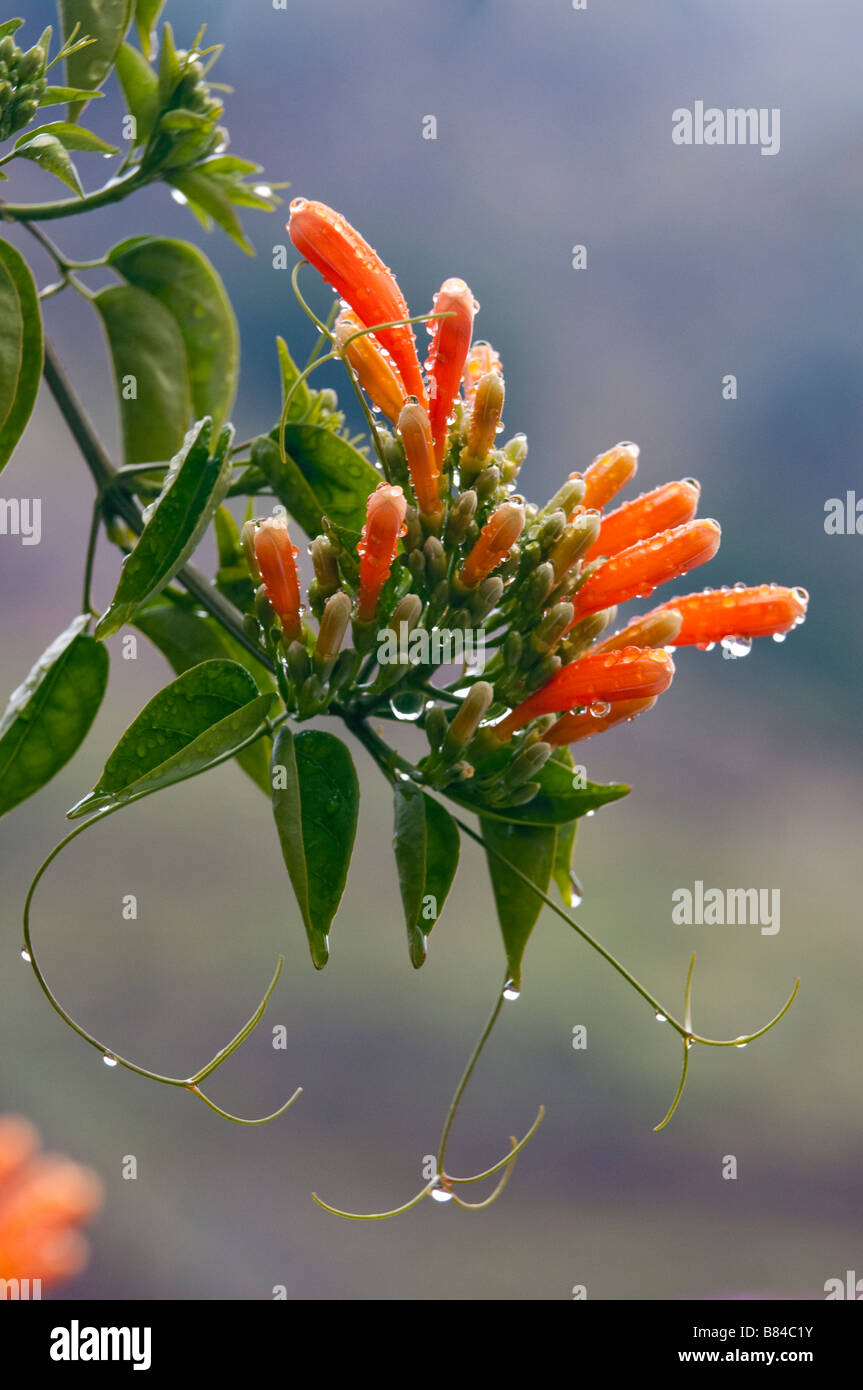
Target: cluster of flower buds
{"type": "Point", "coordinates": [22, 83]}
{"type": "Point", "coordinates": [450, 551]}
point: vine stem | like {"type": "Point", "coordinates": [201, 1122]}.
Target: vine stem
{"type": "Point", "coordinates": [113, 192]}
{"type": "Point", "coordinates": [108, 481]}
{"type": "Point", "coordinates": [189, 1083]}
{"type": "Point", "coordinates": [389, 760]}
{"type": "Point", "coordinates": [462, 1085]}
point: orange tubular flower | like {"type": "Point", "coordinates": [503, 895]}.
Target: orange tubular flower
{"type": "Point", "coordinates": [44, 1200]}
{"type": "Point", "coordinates": [481, 360]}
{"type": "Point", "coordinates": [357, 273]}
{"type": "Point", "coordinates": [276, 557]}
{"type": "Point", "coordinates": [494, 543]}
{"type": "Point", "coordinates": [448, 351]}
{"type": "Point", "coordinates": [758, 612]}
{"type": "Point", "coordinates": [415, 429]}
{"type": "Point", "coordinates": [646, 516]}
{"type": "Point", "coordinates": [635, 572]}
{"type": "Point", "coordinates": [385, 524]}
{"type": "Point", "coordinates": [375, 369]}
{"type": "Point", "coordinates": [573, 728]}
{"type": "Point", "coordinates": [608, 474]}
{"type": "Point", "coordinates": [630, 674]}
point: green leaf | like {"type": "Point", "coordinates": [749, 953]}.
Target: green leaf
{"type": "Point", "coordinates": [146, 18]}
{"type": "Point", "coordinates": [10, 26]}
{"type": "Point", "coordinates": [529, 848]}
{"type": "Point", "coordinates": [186, 284]}
{"type": "Point", "coordinates": [194, 488]}
{"type": "Point", "coordinates": [196, 720]}
{"type": "Point", "coordinates": [289, 371]}
{"type": "Point", "coordinates": [170, 70]}
{"type": "Point", "coordinates": [56, 96]}
{"type": "Point", "coordinates": [209, 198]}
{"type": "Point", "coordinates": [186, 637]}
{"type": "Point", "coordinates": [315, 804]}
{"type": "Point", "coordinates": [104, 21]}
{"type": "Point", "coordinates": [565, 844]}
{"type": "Point", "coordinates": [48, 717]}
{"type": "Point", "coordinates": [426, 845]}
{"type": "Point", "coordinates": [140, 89]}
{"type": "Point", "coordinates": [50, 154]}
{"type": "Point", "coordinates": [556, 802]}
{"type": "Point", "coordinates": [324, 476]}
{"type": "Point", "coordinates": [149, 360]}
{"type": "Point", "coordinates": [71, 136]}
{"type": "Point", "coordinates": [20, 348]}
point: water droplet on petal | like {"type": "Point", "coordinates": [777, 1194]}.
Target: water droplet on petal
{"type": "Point", "coordinates": [779, 637]}
{"type": "Point", "coordinates": [736, 647]}
{"type": "Point", "coordinates": [178, 196]}
{"type": "Point", "coordinates": [600, 708]}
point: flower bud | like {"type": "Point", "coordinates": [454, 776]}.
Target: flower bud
{"type": "Point", "coordinates": [636, 572]}
{"type": "Point", "coordinates": [486, 597]}
{"type": "Point", "coordinates": [460, 517]}
{"type": "Point", "coordinates": [483, 425]}
{"type": "Point", "coordinates": [436, 725]}
{"type": "Point", "coordinates": [333, 626]}
{"type": "Point", "coordinates": [357, 273]}
{"type": "Point", "coordinates": [568, 496]}
{"type": "Point", "coordinates": [656, 629]}
{"type": "Point", "coordinates": [276, 557]}
{"type": "Point", "coordinates": [552, 627]}
{"type": "Point", "coordinates": [494, 544]}
{"type": "Point", "coordinates": [552, 529]}
{"type": "Point", "coordinates": [416, 435]}
{"type": "Point", "coordinates": [436, 562]}
{"type": "Point", "coordinates": [373, 365]}
{"type": "Point", "coordinates": [625, 675]}
{"type": "Point", "coordinates": [487, 482]}
{"type": "Point", "coordinates": [512, 649]}
{"type": "Point", "coordinates": [450, 340]}
{"type": "Point", "coordinates": [608, 474]}
{"type": "Point", "coordinates": [757, 612]}
{"type": "Point", "coordinates": [465, 721]}
{"type": "Point", "coordinates": [326, 568]}
{"type": "Point", "coordinates": [247, 537]}
{"type": "Point", "coordinates": [573, 728]}
{"type": "Point", "coordinates": [659, 510]}
{"type": "Point", "coordinates": [481, 360]}
{"type": "Point", "coordinates": [527, 763]}
{"type": "Point", "coordinates": [385, 515]}
{"type": "Point", "coordinates": [578, 536]}
{"type": "Point", "coordinates": [538, 586]}
{"type": "Point", "coordinates": [408, 610]}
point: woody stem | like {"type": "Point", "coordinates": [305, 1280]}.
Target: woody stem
{"type": "Point", "coordinates": [109, 484]}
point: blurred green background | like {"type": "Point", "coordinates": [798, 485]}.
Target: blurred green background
{"type": "Point", "coordinates": [554, 129]}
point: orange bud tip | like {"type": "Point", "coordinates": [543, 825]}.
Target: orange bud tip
{"type": "Point", "coordinates": [414, 426]}
{"type": "Point", "coordinates": [494, 543]}
{"type": "Point", "coordinates": [599, 677]}
{"type": "Point", "coordinates": [481, 360]}
{"type": "Point", "coordinates": [660, 510]}
{"type": "Point", "coordinates": [373, 365]}
{"type": "Point", "coordinates": [357, 273]}
{"type": "Point", "coordinates": [276, 557]}
{"type": "Point", "coordinates": [574, 728]}
{"type": "Point", "coordinates": [636, 571]}
{"type": "Point", "coordinates": [721, 615]}
{"type": "Point", "coordinates": [609, 473]}
{"type": "Point", "coordinates": [445, 364]}
{"type": "Point", "coordinates": [385, 525]}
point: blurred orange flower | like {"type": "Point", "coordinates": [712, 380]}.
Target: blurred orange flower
{"type": "Point", "coordinates": [44, 1200]}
